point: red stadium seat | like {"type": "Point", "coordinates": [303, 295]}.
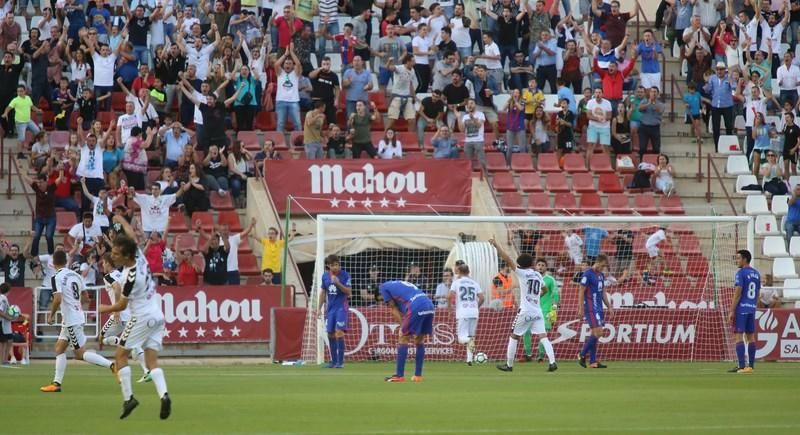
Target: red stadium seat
{"type": "Point", "coordinates": [551, 245]}
{"type": "Point", "coordinates": [220, 202]}
{"type": "Point", "coordinates": [650, 158]}
{"type": "Point", "coordinates": [539, 203]}
{"type": "Point", "coordinates": [265, 121]}
{"type": "Point", "coordinates": [377, 124]}
{"type": "Point", "coordinates": [379, 98]}
{"type": "Point", "coordinates": [609, 183]}
{"type": "Point", "coordinates": [277, 138]}
{"type": "Point", "coordinates": [600, 163]}
{"type": "Point", "coordinates": [106, 119]}
{"type": "Point", "coordinates": [574, 163]}
{"type": "Point", "coordinates": [671, 205]}
{"type": "Point", "coordinates": [556, 182]}
{"type": "Point", "coordinates": [118, 101]}
{"type": "Point", "coordinates": [511, 203]}
{"type": "Point", "coordinates": [206, 220]}
{"type": "Point", "coordinates": [583, 182]}
{"type": "Point", "coordinates": [496, 162]}
{"type": "Point", "coordinates": [248, 265]}
{"type": "Point", "coordinates": [689, 244]}
{"type": "Point", "coordinates": [521, 162]}
{"type": "Point", "coordinates": [231, 219]}
{"type": "Point", "coordinates": [591, 204]}
{"type": "Point", "coordinates": [249, 139]}
{"type": "Point", "coordinates": [48, 120]}
{"type": "Point", "coordinates": [65, 220]}
{"type": "Point", "coordinates": [645, 204]}
{"type": "Point", "coordinates": [548, 162]}
{"type": "Point", "coordinates": [59, 139]}
{"type": "Point", "coordinates": [408, 140]}
{"type": "Point", "coordinates": [184, 242]}
{"type": "Point", "coordinates": [618, 204]}
{"type": "Point", "coordinates": [564, 203]}
{"type": "Point", "coordinates": [530, 182]}
{"type": "Point", "coordinates": [503, 182]}
{"type": "Point", "coordinates": [177, 223]}
{"type": "Point", "coordinates": [152, 176]}
{"type": "Point", "coordinates": [244, 246]}
{"type": "Point", "coordinates": [697, 266]}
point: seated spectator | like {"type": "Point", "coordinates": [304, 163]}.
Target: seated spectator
{"type": "Point", "coordinates": [239, 160]}
{"type": "Point", "coordinates": [444, 144]}
{"type": "Point", "coordinates": [62, 178]}
{"type": "Point", "coordinates": [772, 174]}
{"type": "Point", "coordinates": [215, 170]}
{"type": "Point", "coordinates": [134, 163]}
{"type": "Point", "coordinates": [40, 150]}
{"type": "Point", "coordinates": [337, 144]}
{"type": "Point", "coordinates": [195, 192]}
{"type": "Point", "coordinates": [267, 152]}
{"type": "Point", "coordinates": [174, 137]}
{"type": "Point", "coordinates": [167, 181]}
{"type": "Point", "coordinates": [389, 147]}
{"type": "Point", "coordinates": [768, 296]}
{"type": "Point", "coordinates": [664, 176]}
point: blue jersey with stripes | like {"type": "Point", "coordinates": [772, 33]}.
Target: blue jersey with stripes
{"type": "Point", "coordinates": [404, 294]}
{"type": "Point", "coordinates": [592, 282]}
{"type": "Point", "coordinates": [749, 280]}
{"type": "Point", "coordinates": [335, 299]}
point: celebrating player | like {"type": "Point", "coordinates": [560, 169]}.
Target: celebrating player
{"type": "Point", "coordinates": [592, 284]}
{"type": "Point", "coordinates": [68, 291]}
{"type": "Point", "coordinates": [548, 300]}
{"type": "Point", "coordinates": [467, 297]}
{"type": "Point", "coordinates": [145, 329]}
{"type": "Point", "coordinates": [529, 317]}
{"type": "Point", "coordinates": [743, 310]}
{"type": "Point", "coordinates": [414, 310]}
{"type": "Point", "coordinates": [335, 291]}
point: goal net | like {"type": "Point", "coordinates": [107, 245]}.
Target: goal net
{"type": "Point", "coordinates": [670, 281]}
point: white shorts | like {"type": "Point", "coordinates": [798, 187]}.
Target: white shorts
{"type": "Point", "coordinates": [465, 328]}
{"type": "Point", "coordinates": [113, 327]}
{"type": "Point", "coordinates": [527, 321]}
{"type": "Point", "coordinates": [652, 251]}
{"type": "Point", "coordinates": [576, 258]}
{"type": "Point", "coordinates": [649, 80]}
{"type": "Point", "coordinates": [143, 333]}
{"type": "Point", "coordinates": [73, 335]}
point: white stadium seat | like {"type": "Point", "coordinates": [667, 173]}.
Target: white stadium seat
{"type": "Point", "coordinates": [739, 122]}
{"type": "Point", "coordinates": [746, 180]}
{"type": "Point", "coordinates": [794, 247]}
{"type": "Point", "coordinates": [767, 225]}
{"type": "Point", "coordinates": [737, 165]}
{"type": "Point", "coordinates": [726, 143]}
{"type": "Point", "coordinates": [794, 180]}
{"type": "Point", "coordinates": [756, 205]}
{"type": "Point", "coordinates": [500, 101]}
{"type": "Point", "coordinates": [791, 289]}
{"type": "Point", "coordinates": [783, 268]}
{"type": "Point", "coordinates": [774, 246]}
{"type": "Point", "coordinates": [780, 205]}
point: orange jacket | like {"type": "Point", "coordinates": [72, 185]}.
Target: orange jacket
{"type": "Point", "coordinates": [503, 291]}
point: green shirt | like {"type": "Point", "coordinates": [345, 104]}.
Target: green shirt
{"type": "Point", "coordinates": [552, 296]}
{"type": "Point", "coordinates": [305, 9]}
{"type": "Point", "coordinates": [22, 108]}
{"type": "Point", "coordinates": [636, 115]}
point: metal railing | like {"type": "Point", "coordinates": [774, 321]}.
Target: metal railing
{"type": "Point", "coordinates": [712, 165]}
{"type": "Point", "coordinates": [12, 165]}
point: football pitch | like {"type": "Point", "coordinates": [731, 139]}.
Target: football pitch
{"type": "Point", "coordinates": [631, 398]}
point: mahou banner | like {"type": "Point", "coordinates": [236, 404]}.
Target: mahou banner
{"type": "Point", "coordinates": [630, 334]}
{"type": "Point", "coordinates": [371, 186]}
{"type": "Point", "coordinates": [778, 334]}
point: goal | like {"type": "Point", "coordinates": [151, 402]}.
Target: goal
{"type": "Point", "coordinates": [672, 306]}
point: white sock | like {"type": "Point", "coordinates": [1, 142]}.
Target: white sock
{"type": "Point", "coordinates": [140, 357]}
{"type": "Point", "coordinates": [61, 367]}
{"type": "Point", "coordinates": [548, 349]}
{"type": "Point", "coordinates": [158, 379]}
{"type": "Point", "coordinates": [469, 355]}
{"type": "Point", "coordinates": [511, 352]}
{"type": "Point", "coordinates": [125, 382]}
{"type": "Point", "coordinates": [94, 358]}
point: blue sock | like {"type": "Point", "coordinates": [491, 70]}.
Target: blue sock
{"type": "Point", "coordinates": [333, 342]}
{"type": "Point", "coordinates": [587, 346]}
{"type": "Point", "coordinates": [593, 351]}
{"type": "Point", "coordinates": [419, 359]}
{"type": "Point", "coordinates": [751, 354]}
{"type": "Point", "coordinates": [340, 351]}
{"type": "Point", "coordinates": [740, 353]}
{"type": "Point", "coordinates": [402, 354]}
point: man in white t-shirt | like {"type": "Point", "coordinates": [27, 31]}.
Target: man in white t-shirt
{"type": "Point", "coordinates": [459, 24]}
{"type": "Point", "coordinates": [654, 263]}
{"type": "Point", "coordinates": [598, 110]}
{"type": "Point", "coordinates": [101, 205]}
{"type": "Point", "coordinates": [154, 207]}
{"type": "Point", "coordinates": [104, 63]}
{"type": "Point", "coordinates": [491, 58]}
{"type": "Point", "coordinates": [287, 96]}
{"type": "Point", "coordinates": [574, 245]}
{"type": "Point", "coordinates": [90, 166]}
{"type": "Point", "coordinates": [86, 234]}
{"type": "Point", "coordinates": [404, 84]}
{"type": "Point", "coordinates": [125, 123]}
{"type": "Point", "coordinates": [467, 297]}
{"type": "Point", "coordinates": [233, 251]}
{"type": "Point", "coordinates": [471, 123]}
{"type": "Point", "coordinates": [442, 294]}
{"type": "Point", "coordinates": [198, 55]}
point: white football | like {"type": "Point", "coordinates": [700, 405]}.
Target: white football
{"type": "Point", "coordinates": [481, 358]}
{"type": "Point", "coordinates": [14, 311]}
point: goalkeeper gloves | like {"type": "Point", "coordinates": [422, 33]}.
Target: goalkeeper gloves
{"type": "Point", "coordinates": [552, 316]}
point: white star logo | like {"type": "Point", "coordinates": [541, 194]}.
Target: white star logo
{"type": "Point", "coordinates": [166, 332]}
{"type": "Point", "coordinates": [384, 202]}
{"type": "Point", "coordinates": [235, 331]}
{"type": "Point", "coordinates": [367, 203]}
{"type": "Point", "coordinates": [401, 202]}
{"type": "Point", "coordinates": [334, 203]}
{"type": "Point", "coordinates": [200, 332]}
{"type": "Point", "coordinates": [218, 332]}
{"type": "Point", "coordinates": [182, 332]}
{"type": "Point", "coordinates": [351, 203]}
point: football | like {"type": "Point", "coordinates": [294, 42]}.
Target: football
{"type": "Point", "coordinates": [481, 358]}
{"type": "Point", "coordinates": [13, 311]}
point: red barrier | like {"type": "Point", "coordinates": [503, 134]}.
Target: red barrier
{"type": "Point", "coordinates": [287, 333]}
{"type": "Point", "coordinates": [778, 334]}
{"type": "Point", "coordinates": [22, 297]}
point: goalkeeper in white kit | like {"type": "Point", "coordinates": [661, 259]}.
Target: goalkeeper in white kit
{"type": "Point", "coordinates": [466, 296]}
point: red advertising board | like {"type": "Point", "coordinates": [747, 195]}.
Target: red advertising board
{"type": "Point", "coordinates": [371, 186]}
{"type": "Point", "coordinates": [631, 334]}
{"type": "Point", "coordinates": [22, 297]}
{"type": "Point", "coordinates": [778, 334]}
{"type": "Point", "coordinates": [218, 314]}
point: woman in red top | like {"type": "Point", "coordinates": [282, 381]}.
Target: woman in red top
{"type": "Point", "coordinates": [187, 269]}
{"type": "Point", "coordinates": [721, 33]}
{"type": "Point", "coordinates": [62, 178]}
{"type": "Point", "coordinates": [154, 251]}
{"type": "Point", "coordinates": [571, 72]}
{"type": "Point", "coordinates": [268, 97]}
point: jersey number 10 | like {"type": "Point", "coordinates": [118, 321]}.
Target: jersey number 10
{"type": "Point", "coordinates": [534, 286]}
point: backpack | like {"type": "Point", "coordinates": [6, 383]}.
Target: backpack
{"type": "Point", "coordinates": [641, 180]}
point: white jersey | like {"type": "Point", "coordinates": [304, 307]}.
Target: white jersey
{"type": "Point", "coordinates": [655, 239]}
{"type": "Point", "coordinates": [109, 279]}
{"type": "Point", "coordinates": [574, 245]}
{"type": "Point", "coordinates": [70, 284]}
{"type": "Point", "coordinates": [531, 284]}
{"type": "Point", "coordinates": [140, 290]}
{"type": "Point", "coordinates": [466, 291]}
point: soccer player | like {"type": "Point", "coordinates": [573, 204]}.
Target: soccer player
{"type": "Point", "coordinates": [145, 329]}
{"type": "Point", "coordinates": [336, 291]}
{"type": "Point", "coordinates": [112, 329]}
{"type": "Point", "coordinates": [414, 311]}
{"type": "Point", "coordinates": [549, 302]}
{"type": "Point", "coordinates": [466, 297]}
{"type": "Point", "coordinates": [592, 284]}
{"type": "Point", "coordinates": [68, 291]}
{"type": "Point", "coordinates": [654, 265]}
{"type": "Point", "coordinates": [529, 317]}
{"type": "Point", "coordinates": [743, 310]}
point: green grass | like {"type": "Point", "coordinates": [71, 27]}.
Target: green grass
{"type": "Point", "coordinates": [627, 398]}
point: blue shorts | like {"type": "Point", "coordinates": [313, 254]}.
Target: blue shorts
{"type": "Point", "coordinates": [594, 317]}
{"type": "Point", "coordinates": [418, 319]}
{"type": "Point", "coordinates": [384, 75]}
{"type": "Point", "coordinates": [336, 320]}
{"type": "Point", "coordinates": [744, 322]}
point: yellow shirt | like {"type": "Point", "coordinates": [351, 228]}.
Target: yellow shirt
{"type": "Point", "coordinates": [271, 254]}
{"type": "Point", "coordinates": [22, 108]}
{"type": "Point", "coordinates": [532, 100]}
{"type": "Point", "coordinates": [304, 9]}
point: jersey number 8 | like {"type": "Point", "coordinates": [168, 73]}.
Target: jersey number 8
{"type": "Point", "coordinates": [466, 294]}
{"type": "Point", "coordinates": [751, 291]}
{"type": "Point", "coordinates": [76, 292]}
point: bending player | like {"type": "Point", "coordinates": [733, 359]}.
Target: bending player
{"type": "Point", "coordinates": [593, 296]}
{"type": "Point", "coordinates": [654, 263]}
{"type": "Point", "coordinates": [68, 291]}
{"type": "Point", "coordinates": [549, 302]}
{"type": "Point", "coordinates": [335, 293]}
{"type": "Point", "coordinates": [414, 311]}
{"type": "Point", "coordinates": [145, 330]}
{"type": "Point", "coordinates": [743, 310]}
{"type": "Point", "coordinates": [529, 317]}
{"type": "Point", "coordinates": [115, 324]}
{"type": "Point", "coordinates": [466, 297]}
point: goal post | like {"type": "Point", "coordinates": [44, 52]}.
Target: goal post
{"type": "Point", "coordinates": [670, 302]}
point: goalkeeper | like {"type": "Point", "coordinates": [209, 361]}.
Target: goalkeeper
{"type": "Point", "coordinates": [548, 300]}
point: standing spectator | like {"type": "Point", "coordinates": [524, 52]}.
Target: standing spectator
{"type": "Point", "coordinates": [623, 241]}
{"type": "Point", "coordinates": [359, 124]}
{"type": "Point", "coordinates": [9, 73]}
{"type": "Point", "coordinates": [516, 131]}
{"type": "Point", "coordinates": [460, 26]}
{"type": "Point", "coordinates": [246, 103]}
{"type": "Point", "coordinates": [423, 49]}
{"type": "Point", "coordinates": [431, 112]}
{"type": "Point", "coordinates": [615, 21]}
{"type": "Point", "coordinates": [10, 31]}
{"type": "Point", "coordinates": [238, 161]}
{"type": "Point", "coordinates": [12, 263]}
{"type": "Point", "coordinates": [215, 170]}
{"type": "Point", "coordinates": [788, 80]}
{"type": "Point", "coordinates": [328, 16]}
{"type": "Point", "coordinates": [544, 55]}
{"type": "Point", "coordinates": [540, 128]}
{"type": "Point", "coordinates": [104, 68]}
{"type": "Point", "coordinates": [312, 131]}
{"type": "Point", "coordinates": [565, 125]}
{"type": "Point", "coordinates": [195, 191]}
{"type": "Point", "coordinates": [187, 270]}
{"type": "Point", "coordinates": [540, 20]}
{"type": "Point", "coordinates": [22, 106]}
{"type": "Point", "coordinates": [444, 144]}
{"type": "Point", "coordinates": [84, 235]}
{"type": "Point", "coordinates": [126, 122]}
{"type": "Point", "coordinates": [154, 207]}
{"type": "Point", "coordinates": [287, 25]}
{"type": "Point", "coordinates": [443, 288]}
{"type": "Point", "coordinates": [792, 224]}
{"type": "Point", "coordinates": [456, 94]}
{"type": "Point", "coordinates": [791, 144]}
{"type": "Point", "coordinates": [613, 80]}
{"type": "Point", "coordinates": [649, 50]}
{"type": "Point", "coordinates": [44, 215]}
{"type": "Point", "coordinates": [720, 88]}
{"type": "Point", "coordinates": [325, 88]}
{"type": "Point", "coordinates": [502, 288]}
{"type": "Point", "coordinates": [174, 137]}
{"type": "Point", "coordinates": [485, 88]}
{"type": "Point", "coordinates": [471, 123]}
{"type": "Point", "coordinates": [90, 166]}
{"type": "Point", "coordinates": [134, 164]}
{"type": "Point", "coordinates": [507, 32]}
{"type": "Point", "coordinates": [361, 23]}
{"type": "Point", "coordinates": [404, 83]}
{"type": "Point", "coordinates": [598, 111]}
{"type": "Point", "coordinates": [521, 71]}
{"type": "Point", "coordinates": [197, 54]}
{"type": "Point", "coordinates": [271, 254]}
{"type": "Point", "coordinates": [101, 206]}
{"type": "Point", "coordinates": [389, 49]}
{"type": "Point", "coordinates": [287, 98]}
{"type": "Point", "coordinates": [154, 251]}
{"type": "Point", "coordinates": [592, 242]}
{"type": "Point", "coordinates": [490, 58]}
{"type": "Point", "coordinates": [234, 240]}
{"type": "Point", "coordinates": [213, 113]}
{"type": "Point", "coordinates": [215, 252]}
{"type": "Point", "coordinates": [650, 128]}
{"type": "Point", "coordinates": [62, 179]}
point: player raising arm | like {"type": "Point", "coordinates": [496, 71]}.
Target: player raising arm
{"type": "Point", "coordinates": [529, 317]}
{"type": "Point", "coordinates": [743, 310]}
{"type": "Point", "coordinates": [334, 294]}
{"type": "Point", "coordinates": [549, 303]}
{"type": "Point", "coordinates": [593, 297]}
{"type": "Point", "coordinates": [68, 292]}
{"type": "Point", "coordinates": [414, 311]}
{"type": "Point", "coordinates": [466, 297]}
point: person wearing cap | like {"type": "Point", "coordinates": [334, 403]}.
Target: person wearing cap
{"type": "Point", "coordinates": [720, 88]}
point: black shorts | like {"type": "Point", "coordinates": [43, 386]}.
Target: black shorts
{"type": "Point", "coordinates": [792, 157]}
{"type": "Point", "coordinates": [696, 117]}
{"type": "Point", "coordinates": [6, 337]}
{"type": "Point", "coordinates": [528, 116]}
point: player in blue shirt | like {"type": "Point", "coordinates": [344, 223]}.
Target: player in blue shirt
{"type": "Point", "coordinates": [335, 291]}
{"type": "Point", "coordinates": [593, 297]}
{"type": "Point", "coordinates": [414, 310]}
{"type": "Point", "coordinates": [747, 285]}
